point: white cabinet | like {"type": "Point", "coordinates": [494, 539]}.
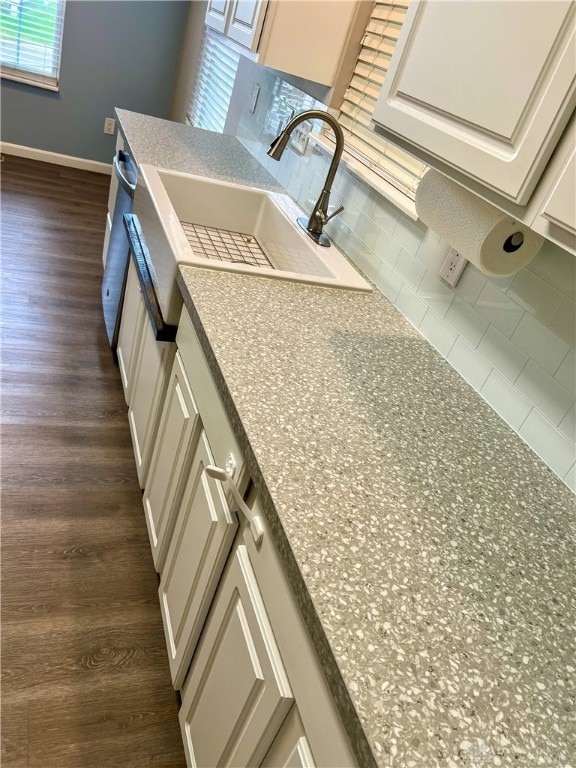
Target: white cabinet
{"type": "Point", "coordinates": [240, 20]}
{"type": "Point", "coordinates": [131, 326]}
{"type": "Point", "coordinates": [198, 550]}
{"type": "Point", "coordinates": [314, 39]}
{"type": "Point", "coordinates": [171, 460]}
{"type": "Point", "coordinates": [290, 748]}
{"type": "Point", "coordinates": [217, 12]}
{"type": "Point", "coordinates": [554, 205]}
{"type": "Point", "coordinates": [483, 91]}
{"type": "Point", "coordinates": [237, 693]}
{"type": "Point", "coordinates": [147, 389]}
{"type": "Point", "coordinates": [238, 648]}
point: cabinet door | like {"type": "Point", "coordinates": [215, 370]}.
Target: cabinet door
{"type": "Point", "coordinates": [199, 546]}
{"type": "Point", "coordinates": [560, 207]}
{"type": "Point", "coordinates": [152, 367]}
{"type": "Point", "coordinates": [485, 88]}
{"type": "Point", "coordinates": [171, 458]}
{"type": "Point", "coordinates": [237, 693]}
{"type": "Point", "coordinates": [217, 14]}
{"type": "Point", "coordinates": [131, 326]}
{"type": "Point", "coordinates": [246, 20]}
{"type": "Point", "coordinates": [290, 748]}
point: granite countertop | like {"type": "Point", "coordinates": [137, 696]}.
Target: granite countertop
{"type": "Point", "coordinates": [179, 147]}
{"type": "Point", "coordinates": [430, 550]}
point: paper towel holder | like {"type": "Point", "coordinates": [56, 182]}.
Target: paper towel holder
{"type": "Point", "coordinates": [513, 242]}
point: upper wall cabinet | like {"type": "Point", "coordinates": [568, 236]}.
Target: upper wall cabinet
{"type": "Point", "coordinates": [483, 90]}
{"type": "Point", "coordinates": [314, 39]}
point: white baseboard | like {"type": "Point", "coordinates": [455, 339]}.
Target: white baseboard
{"type": "Point", "coordinates": [54, 157]}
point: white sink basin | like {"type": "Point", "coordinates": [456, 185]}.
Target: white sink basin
{"type": "Point", "coordinates": [181, 201]}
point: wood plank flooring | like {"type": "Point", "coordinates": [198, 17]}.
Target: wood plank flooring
{"type": "Point", "coordinates": [85, 678]}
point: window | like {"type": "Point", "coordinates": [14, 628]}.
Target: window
{"type": "Point", "coordinates": [31, 41]}
{"type": "Point", "coordinates": [217, 73]}
{"type": "Point", "coordinates": [388, 161]}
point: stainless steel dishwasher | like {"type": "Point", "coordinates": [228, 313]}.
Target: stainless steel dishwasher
{"type": "Point", "coordinates": [116, 269]}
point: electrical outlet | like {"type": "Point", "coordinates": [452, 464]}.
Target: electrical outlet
{"type": "Point", "coordinates": [454, 265]}
{"type": "Point", "coordinates": [110, 126]}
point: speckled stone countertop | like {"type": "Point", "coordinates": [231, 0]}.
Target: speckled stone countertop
{"type": "Point", "coordinates": [178, 147]}
{"type": "Point", "coordinates": [430, 550]}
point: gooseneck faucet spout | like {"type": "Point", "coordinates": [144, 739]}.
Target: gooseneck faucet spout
{"type": "Point", "coordinates": [319, 216]}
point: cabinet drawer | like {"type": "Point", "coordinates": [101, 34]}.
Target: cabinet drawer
{"type": "Point", "coordinates": [237, 693]}
{"type": "Point", "coordinates": [214, 417]}
{"type": "Point", "coordinates": [176, 441]}
{"type": "Point", "coordinates": [149, 386]}
{"type": "Point", "coordinates": [199, 546]}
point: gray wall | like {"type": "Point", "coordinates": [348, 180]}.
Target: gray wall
{"type": "Point", "coordinates": [116, 53]}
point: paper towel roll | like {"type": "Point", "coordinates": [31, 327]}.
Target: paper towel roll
{"type": "Point", "coordinates": [497, 244]}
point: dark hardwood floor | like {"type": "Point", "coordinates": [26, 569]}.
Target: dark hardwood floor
{"type": "Point", "coordinates": [85, 678]}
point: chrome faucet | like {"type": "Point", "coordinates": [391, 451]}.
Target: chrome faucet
{"type": "Point", "coordinates": [319, 216]}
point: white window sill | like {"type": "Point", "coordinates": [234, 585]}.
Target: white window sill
{"type": "Point", "coordinates": [29, 78]}
{"type": "Point", "coordinates": [373, 180]}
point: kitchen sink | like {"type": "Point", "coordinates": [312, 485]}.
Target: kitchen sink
{"type": "Point", "coordinates": [219, 225]}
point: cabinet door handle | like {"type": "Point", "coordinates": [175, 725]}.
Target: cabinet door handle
{"type": "Point", "coordinates": [254, 520]}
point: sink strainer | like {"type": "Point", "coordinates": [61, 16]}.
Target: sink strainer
{"type": "Point", "coordinates": [221, 245]}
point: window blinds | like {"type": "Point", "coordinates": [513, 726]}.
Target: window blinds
{"type": "Point", "coordinates": [217, 73]}
{"type": "Point", "coordinates": [31, 41]}
{"type": "Point", "coordinates": [390, 162]}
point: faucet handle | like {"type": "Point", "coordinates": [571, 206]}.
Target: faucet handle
{"type": "Point", "coordinates": [334, 213]}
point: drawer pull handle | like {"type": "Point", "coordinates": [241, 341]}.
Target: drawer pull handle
{"type": "Point", "coordinates": [254, 520]}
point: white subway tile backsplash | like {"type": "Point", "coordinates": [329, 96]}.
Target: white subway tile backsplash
{"type": "Point", "coordinates": [555, 449]}
{"type": "Point", "coordinates": [438, 333]}
{"type": "Point", "coordinates": [382, 213]}
{"type": "Point", "coordinates": [566, 373]}
{"type": "Point", "coordinates": [363, 257]}
{"type": "Point", "coordinates": [498, 309]}
{"type": "Point", "coordinates": [388, 282]}
{"type": "Point", "coordinates": [540, 343]}
{"type": "Point", "coordinates": [387, 249]}
{"type": "Point", "coordinates": [546, 393]}
{"type": "Point", "coordinates": [434, 291]}
{"type": "Point", "coordinates": [350, 215]}
{"type": "Point", "coordinates": [411, 306]}
{"type": "Point", "coordinates": [471, 284]}
{"type": "Point", "coordinates": [568, 424]}
{"type": "Point", "coordinates": [469, 363]}
{"type": "Point", "coordinates": [508, 402]}
{"type": "Point", "coordinates": [464, 319]}
{"type": "Point", "coordinates": [367, 230]}
{"type": "Point", "coordinates": [432, 254]}
{"type": "Point", "coordinates": [502, 354]}
{"type": "Point", "coordinates": [409, 269]}
{"type": "Point", "coordinates": [557, 267]}
{"type": "Point", "coordinates": [408, 234]}
{"type": "Point", "coordinates": [564, 322]}
{"type": "Point", "coordinates": [535, 296]}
